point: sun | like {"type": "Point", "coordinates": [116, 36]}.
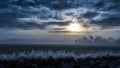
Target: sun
{"type": "Point", "coordinates": [75, 26]}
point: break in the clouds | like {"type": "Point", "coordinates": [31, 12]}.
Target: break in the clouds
{"type": "Point", "coordinates": [29, 14]}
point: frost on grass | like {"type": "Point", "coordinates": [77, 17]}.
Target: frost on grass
{"type": "Point", "coordinates": [60, 59]}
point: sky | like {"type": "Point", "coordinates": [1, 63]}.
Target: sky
{"type": "Point", "coordinates": [57, 21]}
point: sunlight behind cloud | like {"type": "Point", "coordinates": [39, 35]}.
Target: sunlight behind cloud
{"type": "Point", "coordinates": [75, 26]}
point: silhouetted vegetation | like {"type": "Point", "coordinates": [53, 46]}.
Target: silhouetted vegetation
{"type": "Point", "coordinates": [97, 40]}
{"type": "Point", "coordinates": [67, 62]}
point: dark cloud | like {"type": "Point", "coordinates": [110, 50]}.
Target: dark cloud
{"type": "Point", "coordinates": [11, 10]}
{"type": "Point", "coordinates": [112, 21]}
{"type": "Point", "coordinates": [10, 21]}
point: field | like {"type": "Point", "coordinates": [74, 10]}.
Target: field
{"type": "Point", "coordinates": [59, 56]}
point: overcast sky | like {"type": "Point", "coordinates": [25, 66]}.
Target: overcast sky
{"type": "Point", "coordinates": [43, 21]}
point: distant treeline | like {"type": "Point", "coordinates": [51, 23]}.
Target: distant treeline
{"type": "Point", "coordinates": [97, 40]}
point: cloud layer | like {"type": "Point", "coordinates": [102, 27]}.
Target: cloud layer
{"type": "Point", "coordinates": [29, 14]}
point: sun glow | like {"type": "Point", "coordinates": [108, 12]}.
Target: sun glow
{"type": "Point", "coordinates": [75, 26]}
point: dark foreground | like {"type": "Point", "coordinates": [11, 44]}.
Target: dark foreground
{"type": "Point", "coordinates": [52, 56]}
{"type": "Point", "coordinates": [14, 48]}
{"type": "Point", "coordinates": [66, 62]}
